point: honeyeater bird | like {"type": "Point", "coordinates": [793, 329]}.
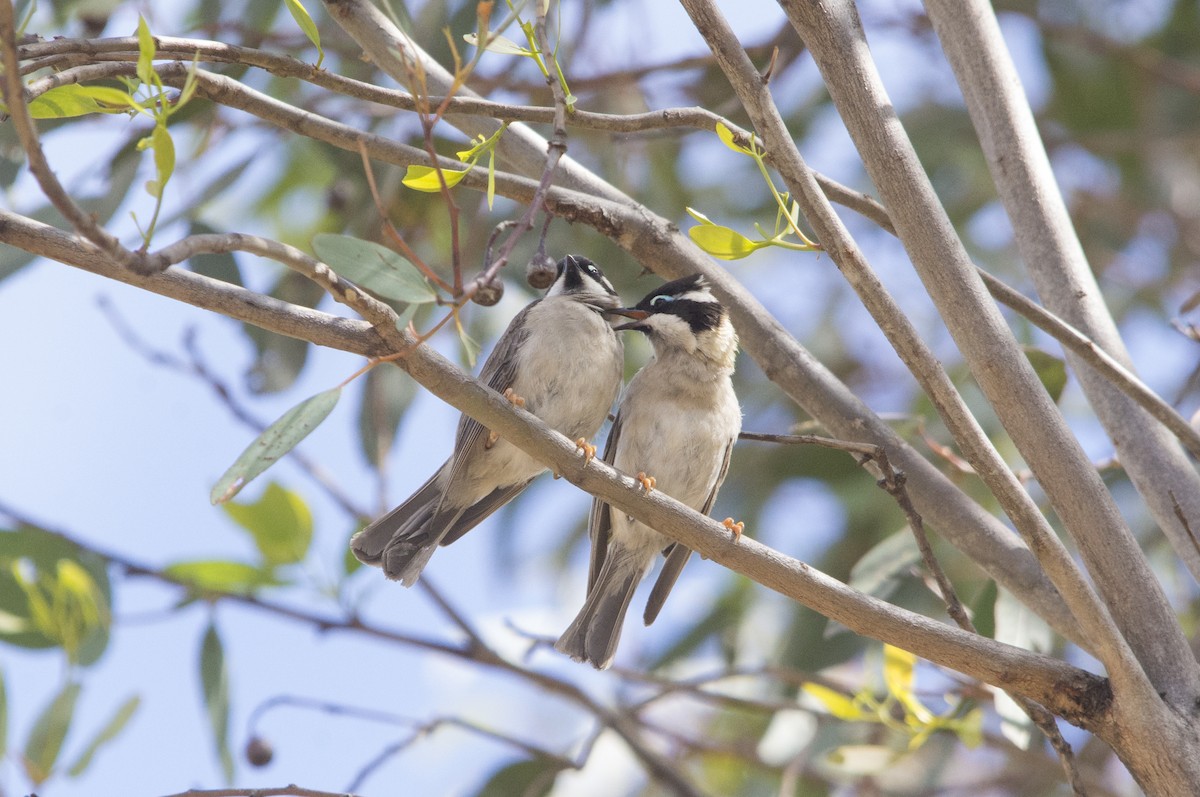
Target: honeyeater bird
{"type": "Point", "coordinates": [560, 359]}
{"type": "Point", "coordinates": [676, 426]}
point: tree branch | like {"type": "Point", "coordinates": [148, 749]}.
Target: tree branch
{"type": "Point", "coordinates": [1046, 240]}
{"type": "Point", "coordinates": [1132, 593]}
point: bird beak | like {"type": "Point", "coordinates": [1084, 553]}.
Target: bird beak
{"type": "Point", "coordinates": [629, 312]}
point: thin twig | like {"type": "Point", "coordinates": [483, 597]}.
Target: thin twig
{"type": "Point", "coordinates": [18, 111]}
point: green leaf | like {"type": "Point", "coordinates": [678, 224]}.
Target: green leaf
{"type": "Point", "coordinates": [146, 50]}
{"type": "Point", "coordinates": [300, 14]}
{"type": "Point", "coordinates": [164, 155]}
{"type": "Point", "coordinates": [879, 571]}
{"type": "Point", "coordinates": [425, 178]}
{"type": "Point", "coordinates": [983, 610]}
{"type": "Point", "coordinates": [723, 242]}
{"type": "Point", "coordinates": [386, 394]}
{"type": "Point", "coordinates": [114, 726]}
{"type": "Point", "coordinates": [898, 667]}
{"type": "Point", "coordinates": [46, 738]}
{"type": "Point", "coordinates": [279, 359]}
{"type": "Point", "coordinates": [220, 575]}
{"type": "Point", "coordinates": [726, 136]}
{"type": "Point", "coordinates": [71, 585]}
{"type": "Point", "coordinates": [498, 44]}
{"type": "Point", "coordinates": [214, 681]}
{"type": "Point", "coordinates": [530, 778]}
{"type": "Point", "coordinates": [841, 706]}
{"type": "Point", "coordinates": [280, 523]}
{"type": "Point", "coordinates": [374, 267]}
{"type": "Point", "coordinates": [278, 439]}
{"type": "Point", "coordinates": [221, 266]}
{"type": "Point", "coordinates": [64, 102]}
{"type": "Point", "coordinates": [1050, 370]}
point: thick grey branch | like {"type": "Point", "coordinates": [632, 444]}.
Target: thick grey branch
{"type": "Point", "coordinates": [1051, 250]}
{"type": "Point", "coordinates": [1134, 597]}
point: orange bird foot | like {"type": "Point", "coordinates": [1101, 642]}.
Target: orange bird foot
{"type": "Point", "coordinates": [647, 482]}
{"type": "Point", "coordinates": [589, 450]}
{"type": "Point", "coordinates": [734, 526]}
{"type": "Point", "coordinates": [513, 398]}
{"type": "Point", "coordinates": [492, 437]}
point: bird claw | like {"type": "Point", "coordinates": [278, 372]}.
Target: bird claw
{"type": "Point", "coordinates": [513, 398]}
{"type": "Point", "coordinates": [735, 526]}
{"type": "Point", "coordinates": [492, 437]}
{"type": "Point", "coordinates": [647, 482]}
{"type": "Point", "coordinates": [589, 450]}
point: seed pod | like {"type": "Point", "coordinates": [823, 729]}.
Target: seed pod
{"type": "Point", "coordinates": [541, 272]}
{"type": "Point", "coordinates": [488, 295]}
{"type": "Point", "coordinates": [259, 752]}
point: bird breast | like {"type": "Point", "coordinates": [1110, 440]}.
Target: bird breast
{"type": "Point", "coordinates": [570, 366]}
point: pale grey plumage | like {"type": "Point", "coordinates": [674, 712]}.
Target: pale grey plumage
{"type": "Point", "coordinates": [562, 356]}
{"type": "Point", "coordinates": [678, 421]}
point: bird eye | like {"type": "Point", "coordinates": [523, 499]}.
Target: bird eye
{"type": "Point", "coordinates": [662, 298]}
{"type": "Point", "coordinates": [591, 269]}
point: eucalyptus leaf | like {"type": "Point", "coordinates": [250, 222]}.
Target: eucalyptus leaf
{"type": "Point", "coordinates": [387, 392]}
{"type": "Point", "coordinates": [1051, 371]}
{"type": "Point", "coordinates": [48, 733]}
{"type": "Point", "coordinates": [374, 267]}
{"type": "Point", "coordinates": [278, 439]}
{"type": "Point", "coordinates": [529, 778]}
{"type": "Point", "coordinates": [280, 358]}
{"type": "Point", "coordinates": [880, 570]}
{"type": "Point", "coordinates": [222, 266]}
{"type": "Point", "coordinates": [106, 734]}
{"type": "Point", "coordinates": [214, 682]}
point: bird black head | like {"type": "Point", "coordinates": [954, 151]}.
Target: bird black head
{"type": "Point", "coordinates": [687, 298]}
{"type": "Point", "coordinates": [578, 276]}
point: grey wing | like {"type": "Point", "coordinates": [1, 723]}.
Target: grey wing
{"type": "Point", "coordinates": [499, 372]}
{"type": "Point", "coordinates": [600, 522]}
{"type": "Point", "coordinates": [677, 555]}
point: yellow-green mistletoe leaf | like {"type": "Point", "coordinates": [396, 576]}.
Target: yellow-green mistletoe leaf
{"type": "Point", "coordinates": [726, 136]}
{"type": "Point", "coordinates": [498, 44]}
{"type": "Point", "coordinates": [425, 178]}
{"type": "Point", "coordinates": [841, 706]}
{"type": "Point", "coordinates": [723, 242]}
{"type": "Point", "coordinates": [301, 15]}
{"type": "Point", "coordinates": [62, 102]}
{"type": "Point", "coordinates": [146, 51]}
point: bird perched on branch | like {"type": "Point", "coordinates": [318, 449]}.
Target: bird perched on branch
{"type": "Point", "coordinates": [562, 361]}
{"type": "Point", "coordinates": [676, 426]}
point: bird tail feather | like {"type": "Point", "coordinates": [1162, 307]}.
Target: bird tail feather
{"type": "Point", "coordinates": [595, 632]}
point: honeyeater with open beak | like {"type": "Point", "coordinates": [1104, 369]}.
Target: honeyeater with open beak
{"type": "Point", "coordinates": [675, 429]}
{"type": "Point", "coordinates": [561, 360]}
